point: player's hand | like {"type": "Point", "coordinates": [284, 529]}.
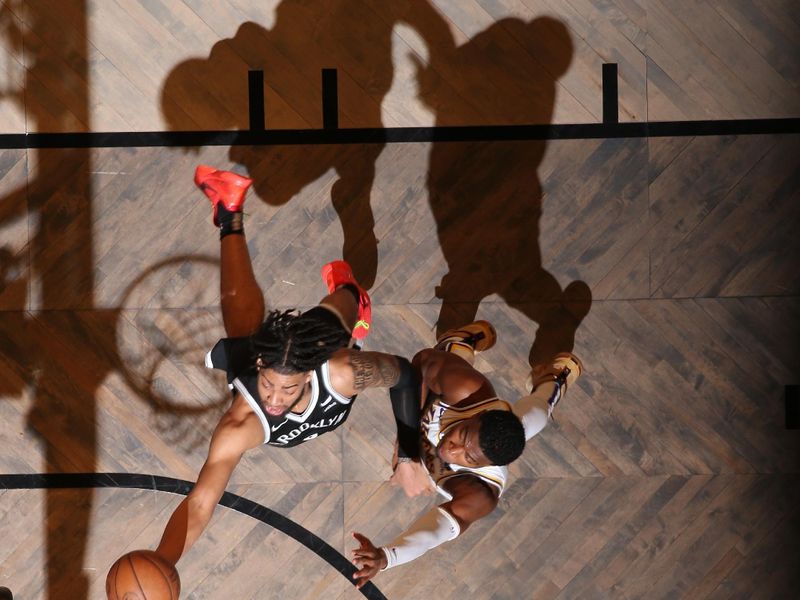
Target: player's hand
{"type": "Point", "coordinates": [413, 478]}
{"type": "Point", "coordinates": [368, 559]}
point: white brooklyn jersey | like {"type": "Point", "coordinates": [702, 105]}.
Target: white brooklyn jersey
{"type": "Point", "coordinates": [438, 418]}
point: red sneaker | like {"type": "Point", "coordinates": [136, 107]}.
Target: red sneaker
{"type": "Point", "coordinates": [338, 273]}
{"type": "Point", "coordinates": [223, 187]}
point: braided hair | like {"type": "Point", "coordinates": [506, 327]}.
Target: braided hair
{"type": "Point", "coordinates": [289, 342]}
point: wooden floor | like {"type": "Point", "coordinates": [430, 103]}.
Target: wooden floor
{"type": "Point", "coordinates": [668, 264]}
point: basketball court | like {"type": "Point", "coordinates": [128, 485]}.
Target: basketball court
{"type": "Point", "coordinates": [471, 159]}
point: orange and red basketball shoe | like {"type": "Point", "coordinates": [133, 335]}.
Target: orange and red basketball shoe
{"type": "Point", "coordinates": [222, 187]}
{"type": "Point", "coordinates": [338, 273]}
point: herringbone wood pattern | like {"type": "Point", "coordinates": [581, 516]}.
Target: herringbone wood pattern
{"type": "Point", "coordinates": [668, 264]}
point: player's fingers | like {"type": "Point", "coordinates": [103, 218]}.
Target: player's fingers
{"type": "Point", "coordinates": [364, 571]}
{"type": "Point", "coordinates": [360, 538]}
{"type": "Point", "coordinates": [362, 579]}
{"type": "Point", "coordinates": [366, 544]}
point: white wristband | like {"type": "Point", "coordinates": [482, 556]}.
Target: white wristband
{"type": "Point", "coordinates": [432, 529]}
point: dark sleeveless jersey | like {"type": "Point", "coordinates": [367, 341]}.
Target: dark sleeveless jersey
{"type": "Point", "coordinates": [326, 410]}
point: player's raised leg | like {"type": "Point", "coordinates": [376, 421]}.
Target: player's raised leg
{"type": "Point", "coordinates": [347, 299]}
{"type": "Point", "coordinates": [467, 340]}
{"type": "Point", "coordinates": [241, 298]}
{"type": "Point", "coordinates": [546, 386]}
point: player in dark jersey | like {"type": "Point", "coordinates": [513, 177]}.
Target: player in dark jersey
{"type": "Point", "coordinates": [293, 376]}
{"type": "Point", "coordinates": [468, 435]}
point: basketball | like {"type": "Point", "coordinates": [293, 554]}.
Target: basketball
{"type": "Point", "coordinates": [142, 575]}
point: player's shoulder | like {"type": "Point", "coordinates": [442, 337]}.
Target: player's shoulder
{"type": "Point", "coordinates": [469, 391]}
{"type": "Point", "coordinates": [340, 359]}
{"type": "Point", "coordinates": [474, 487]}
{"type": "Point", "coordinates": [427, 354]}
{"type": "Point", "coordinates": [238, 411]}
{"type": "Point", "coordinates": [339, 366]}
{"type": "Point", "coordinates": [462, 385]}
{"type": "Point", "coordinates": [338, 370]}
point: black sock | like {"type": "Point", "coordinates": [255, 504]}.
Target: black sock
{"type": "Point", "coordinates": [353, 289]}
{"type": "Point", "coordinates": [229, 222]}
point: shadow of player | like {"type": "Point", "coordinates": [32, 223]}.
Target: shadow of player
{"type": "Point", "coordinates": [355, 37]}
{"type": "Point", "coordinates": [486, 197]}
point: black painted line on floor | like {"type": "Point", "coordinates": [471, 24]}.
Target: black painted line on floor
{"type": "Point", "coordinates": [610, 94]}
{"type": "Point", "coordinates": [398, 135]}
{"type": "Point", "coordinates": [255, 100]}
{"type": "Point", "coordinates": [180, 486]}
{"type": "Point", "coordinates": [330, 99]}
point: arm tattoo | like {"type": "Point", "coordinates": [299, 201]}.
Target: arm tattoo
{"type": "Point", "coordinates": [373, 369]}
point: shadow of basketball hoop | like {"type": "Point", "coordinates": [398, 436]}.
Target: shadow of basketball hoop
{"type": "Point", "coordinates": [166, 324]}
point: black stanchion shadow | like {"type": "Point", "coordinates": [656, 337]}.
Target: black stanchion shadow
{"type": "Point", "coordinates": [59, 346]}
{"type": "Point", "coordinates": [58, 197]}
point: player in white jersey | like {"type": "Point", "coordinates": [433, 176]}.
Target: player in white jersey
{"type": "Point", "coordinates": [468, 436]}
{"type": "Point", "coordinates": [293, 376]}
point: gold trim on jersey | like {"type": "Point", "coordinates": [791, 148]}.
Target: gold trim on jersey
{"type": "Point", "coordinates": [438, 418]}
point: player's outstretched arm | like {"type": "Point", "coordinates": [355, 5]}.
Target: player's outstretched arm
{"type": "Point", "coordinates": [472, 500]}
{"type": "Point", "coordinates": [353, 371]}
{"type": "Point", "coordinates": [234, 434]}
